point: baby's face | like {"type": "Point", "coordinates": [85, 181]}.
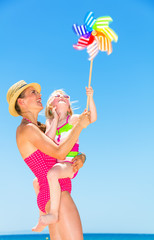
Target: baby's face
{"type": "Point", "coordinates": [59, 98]}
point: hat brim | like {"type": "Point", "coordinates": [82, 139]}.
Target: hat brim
{"type": "Point", "coordinates": [12, 103]}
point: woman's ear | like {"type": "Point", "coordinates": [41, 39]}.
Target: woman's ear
{"type": "Point", "coordinates": [20, 101]}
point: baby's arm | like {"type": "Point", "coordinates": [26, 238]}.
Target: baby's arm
{"type": "Point", "coordinates": [73, 119]}
{"type": "Point", "coordinates": [92, 107]}
{"type": "Point", "coordinates": [51, 125]}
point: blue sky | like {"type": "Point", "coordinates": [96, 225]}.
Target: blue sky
{"type": "Point", "coordinates": [114, 191]}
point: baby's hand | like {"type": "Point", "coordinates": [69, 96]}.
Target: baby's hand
{"type": "Point", "coordinates": [53, 110]}
{"type": "Point", "coordinates": [89, 91]}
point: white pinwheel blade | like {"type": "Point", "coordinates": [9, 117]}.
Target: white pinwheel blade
{"type": "Point", "coordinates": [93, 50]}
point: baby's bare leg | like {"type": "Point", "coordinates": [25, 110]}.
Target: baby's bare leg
{"type": "Point", "coordinates": [59, 170]}
{"type": "Point", "coordinates": [39, 227]}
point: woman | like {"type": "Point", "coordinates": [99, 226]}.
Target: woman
{"type": "Point", "coordinates": [40, 153]}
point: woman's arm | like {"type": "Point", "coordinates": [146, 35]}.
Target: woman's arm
{"type": "Point", "coordinates": [38, 139]}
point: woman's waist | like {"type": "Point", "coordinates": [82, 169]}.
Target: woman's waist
{"type": "Point", "coordinates": [40, 163]}
{"type": "Point", "coordinates": [43, 183]}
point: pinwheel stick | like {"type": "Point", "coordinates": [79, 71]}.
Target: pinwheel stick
{"type": "Point", "coordinates": [91, 64]}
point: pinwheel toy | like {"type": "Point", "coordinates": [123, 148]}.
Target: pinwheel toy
{"type": "Point", "coordinates": [94, 35]}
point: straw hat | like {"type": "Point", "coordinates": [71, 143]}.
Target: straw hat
{"type": "Point", "coordinates": [14, 92]}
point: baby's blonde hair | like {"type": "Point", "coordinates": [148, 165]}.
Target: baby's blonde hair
{"type": "Point", "coordinates": [48, 112]}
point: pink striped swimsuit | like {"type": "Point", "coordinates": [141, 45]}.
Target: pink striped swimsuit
{"type": "Point", "coordinates": [40, 164]}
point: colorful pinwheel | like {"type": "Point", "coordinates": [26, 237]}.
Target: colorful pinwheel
{"type": "Point", "coordinates": [94, 35]}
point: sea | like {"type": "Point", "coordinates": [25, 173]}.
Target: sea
{"type": "Point", "coordinates": [89, 236]}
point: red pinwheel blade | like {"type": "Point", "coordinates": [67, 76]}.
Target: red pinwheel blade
{"type": "Point", "coordinates": [84, 42]}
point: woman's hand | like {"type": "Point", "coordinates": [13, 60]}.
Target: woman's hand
{"type": "Point", "coordinates": [78, 161]}
{"type": "Point", "coordinates": [84, 119]}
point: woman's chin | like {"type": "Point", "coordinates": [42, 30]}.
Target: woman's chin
{"type": "Point", "coordinates": [40, 107]}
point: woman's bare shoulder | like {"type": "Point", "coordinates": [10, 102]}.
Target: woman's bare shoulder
{"type": "Point", "coordinates": [25, 130]}
{"type": "Point", "coordinates": [19, 130]}
{"type": "Point", "coordinates": [25, 136]}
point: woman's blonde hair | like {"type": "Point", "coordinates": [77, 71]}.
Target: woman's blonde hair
{"type": "Point", "coordinates": [48, 112]}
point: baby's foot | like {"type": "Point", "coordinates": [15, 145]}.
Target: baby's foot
{"type": "Point", "coordinates": [39, 227]}
{"type": "Point", "coordinates": [48, 219]}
